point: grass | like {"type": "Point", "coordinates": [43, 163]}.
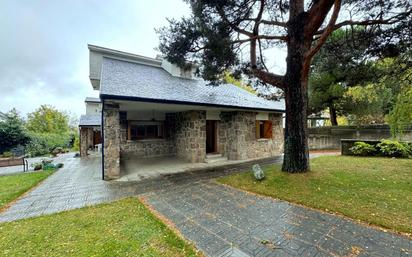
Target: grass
{"type": "Point", "coordinates": [13, 186]}
{"type": "Point", "coordinates": [122, 228]}
{"type": "Point", "coordinates": [374, 190]}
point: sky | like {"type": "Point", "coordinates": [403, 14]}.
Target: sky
{"type": "Point", "coordinates": [43, 45]}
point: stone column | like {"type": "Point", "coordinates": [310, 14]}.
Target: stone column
{"type": "Point", "coordinates": [90, 138]}
{"type": "Point", "coordinates": [111, 142]}
{"type": "Point", "coordinates": [83, 142]}
{"type": "Point", "coordinates": [238, 126]}
{"type": "Point", "coordinates": [191, 135]}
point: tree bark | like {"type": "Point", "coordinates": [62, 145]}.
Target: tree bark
{"type": "Point", "coordinates": [296, 150]}
{"type": "Point", "coordinates": [333, 117]}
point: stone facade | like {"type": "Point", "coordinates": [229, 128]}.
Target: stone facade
{"type": "Point", "coordinates": [83, 142]}
{"type": "Point", "coordinates": [191, 135]}
{"type": "Point", "coordinates": [90, 135]}
{"type": "Point", "coordinates": [86, 140]}
{"type": "Point", "coordinates": [111, 133]}
{"type": "Point", "coordinates": [185, 137]}
{"type": "Point", "coordinates": [237, 136]}
{"type": "Point", "coordinates": [147, 148]}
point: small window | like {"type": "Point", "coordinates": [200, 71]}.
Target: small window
{"type": "Point", "coordinates": [263, 129]}
{"type": "Point", "coordinates": [145, 130]}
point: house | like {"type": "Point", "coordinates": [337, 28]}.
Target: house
{"type": "Point", "coordinates": [152, 108]}
{"type": "Point", "coordinates": [90, 125]}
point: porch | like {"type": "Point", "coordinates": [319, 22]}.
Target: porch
{"type": "Point", "coordinates": [145, 139]}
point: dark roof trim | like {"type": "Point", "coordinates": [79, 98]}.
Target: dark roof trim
{"type": "Point", "coordinates": [150, 100]}
{"type": "Point", "coordinates": [89, 126]}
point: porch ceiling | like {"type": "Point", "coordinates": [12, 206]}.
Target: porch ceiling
{"type": "Point", "coordinates": [148, 106]}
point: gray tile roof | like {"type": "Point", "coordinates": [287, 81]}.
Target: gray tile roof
{"type": "Point", "coordinates": [90, 120]}
{"type": "Point", "coordinates": [122, 79]}
{"type": "Point", "coordinates": [92, 99]}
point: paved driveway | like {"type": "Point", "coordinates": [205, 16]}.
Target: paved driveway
{"type": "Point", "coordinates": [220, 220]}
{"type": "Point", "coordinates": [223, 221]}
{"type": "Point", "coordinates": [79, 184]}
{"type": "Point", "coordinates": [76, 185]}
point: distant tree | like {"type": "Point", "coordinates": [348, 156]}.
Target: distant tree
{"type": "Point", "coordinates": [400, 116]}
{"type": "Point", "coordinates": [216, 32]}
{"type": "Point", "coordinates": [12, 132]}
{"type": "Point", "coordinates": [47, 119]}
{"type": "Point", "coordinates": [372, 101]}
{"type": "Point", "coordinates": [330, 79]}
{"type": "Point", "coordinates": [229, 78]}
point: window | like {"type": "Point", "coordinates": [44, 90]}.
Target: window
{"type": "Point", "coordinates": [263, 129]}
{"type": "Point", "coordinates": [145, 130]}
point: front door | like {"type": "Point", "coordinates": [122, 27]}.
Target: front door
{"type": "Point", "coordinates": [211, 136]}
{"type": "Point", "coordinates": [97, 139]}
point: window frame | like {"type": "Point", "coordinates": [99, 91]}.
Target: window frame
{"type": "Point", "coordinates": [264, 129]}
{"type": "Point", "coordinates": [146, 124]}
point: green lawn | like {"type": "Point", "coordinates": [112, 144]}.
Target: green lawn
{"type": "Point", "coordinates": [12, 186]}
{"type": "Point", "coordinates": [375, 190]}
{"type": "Point", "coordinates": [122, 228]}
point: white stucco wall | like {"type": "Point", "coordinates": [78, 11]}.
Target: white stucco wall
{"type": "Point", "coordinates": [93, 108]}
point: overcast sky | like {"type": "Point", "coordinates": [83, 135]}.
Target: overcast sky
{"type": "Point", "coordinates": [43, 45]}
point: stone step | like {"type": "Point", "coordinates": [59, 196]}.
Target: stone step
{"type": "Point", "coordinates": [215, 158]}
{"type": "Point", "coordinates": [213, 155]}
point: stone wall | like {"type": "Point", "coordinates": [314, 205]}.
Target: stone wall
{"type": "Point", "coordinates": [90, 137]}
{"type": "Point", "coordinates": [330, 137]}
{"type": "Point", "coordinates": [83, 141]}
{"type": "Point", "coordinates": [111, 141]}
{"type": "Point", "coordinates": [190, 135]}
{"type": "Point", "coordinates": [147, 148]}
{"type": "Point", "coordinates": [185, 137]}
{"type": "Point", "coordinates": [237, 136]}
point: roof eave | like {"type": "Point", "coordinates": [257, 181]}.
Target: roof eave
{"type": "Point", "coordinates": [165, 101]}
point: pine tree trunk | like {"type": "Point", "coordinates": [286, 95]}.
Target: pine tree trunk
{"type": "Point", "coordinates": [333, 118]}
{"type": "Point", "coordinates": [296, 150]}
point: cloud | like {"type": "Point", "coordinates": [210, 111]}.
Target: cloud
{"type": "Point", "coordinates": [44, 55]}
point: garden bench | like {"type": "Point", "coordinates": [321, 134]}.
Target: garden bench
{"type": "Point", "coordinates": [15, 161]}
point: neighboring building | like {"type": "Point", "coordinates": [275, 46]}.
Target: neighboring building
{"type": "Point", "coordinates": [318, 120]}
{"type": "Point", "coordinates": [90, 125]}
{"type": "Point", "coordinates": [151, 108]}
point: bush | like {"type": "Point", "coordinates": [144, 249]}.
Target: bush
{"type": "Point", "coordinates": [7, 154]}
{"type": "Point", "coordinates": [46, 164]}
{"type": "Point", "coordinates": [76, 143]}
{"type": "Point", "coordinates": [41, 144]}
{"type": "Point", "coordinates": [391, 148]}
{"type": "Point", "coordinates": [363, 149]}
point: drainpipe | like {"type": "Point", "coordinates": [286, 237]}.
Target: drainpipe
{"type": "Point", "coordinates": [102, 135]}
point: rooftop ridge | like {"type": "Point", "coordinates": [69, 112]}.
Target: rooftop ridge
{"type": "Point", "coordinates": [125, 56]}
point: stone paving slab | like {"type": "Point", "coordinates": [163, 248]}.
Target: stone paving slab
{"type": "Point", "coordinates": [76, 185]}
{"type": "Point", "coordinates": [223, 221]}
{"type": "Point", "coordinates": [79, 183]}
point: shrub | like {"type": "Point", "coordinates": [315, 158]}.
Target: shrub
{"type": "Point", "coordinates": [393, 148]}
{"type": "Point", "coordinates": [363, 149]}
{"type": "Point", "coordinates": [76, 143]}
{"type": "Point", "coordinates": [46, 164]}
{"type": "Point", "coordinates": [409, 146]}
{"type": "Point", "coordinates": [7, 154]}
{"type": "Point", "coordinates": [41, 144]}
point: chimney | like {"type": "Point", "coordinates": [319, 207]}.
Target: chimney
{"type": "Point", "coordinates": [176, 71]}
